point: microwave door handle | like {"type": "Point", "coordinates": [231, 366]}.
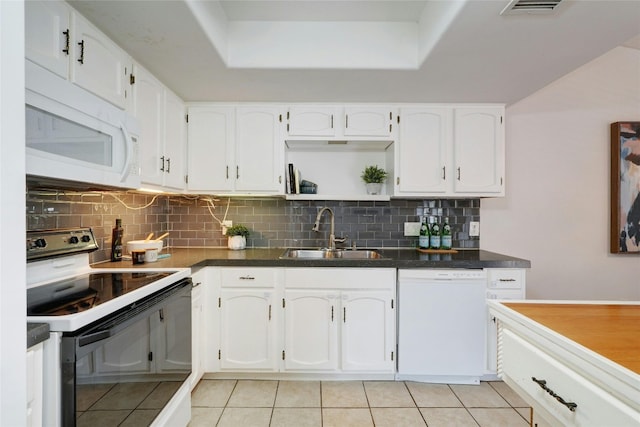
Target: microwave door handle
{"type": "Point", "coordinates": [129, 156]}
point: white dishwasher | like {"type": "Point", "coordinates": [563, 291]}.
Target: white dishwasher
{"type": "Point", "coordinates": [441, 325]}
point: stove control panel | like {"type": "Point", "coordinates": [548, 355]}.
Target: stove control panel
{"type": "Point", "coordinates": [43, 244]}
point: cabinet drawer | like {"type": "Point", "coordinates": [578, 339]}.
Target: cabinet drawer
{"type": "Point", "coordinates": [523, 361]}
{"type": "Point", "coordinates": [505, 294]}
{"type": "Point", "coordinates": [248, 277]}
{"type": "Point", "coordinates": [339, 277]}
{"type": "Point", "coordinates": [504, 278]}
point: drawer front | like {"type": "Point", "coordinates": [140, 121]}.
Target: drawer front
{"type": "Point", "coordinates": [506, 278]}
{"type": "Point", "coordinates": [505, 294]}
{"type": "Point", "coordinates": [340, 277]}
{"type": "Point", "coordinates": [248, 277]}
{"type": "Point", "coordinates": [521, 361]}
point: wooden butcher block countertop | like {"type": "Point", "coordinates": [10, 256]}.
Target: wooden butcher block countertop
{"type": "Point", "coordinates": [611, 330]}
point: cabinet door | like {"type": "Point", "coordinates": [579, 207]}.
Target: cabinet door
{"type": "Point", "coordinates": [47, 36]}
{"type": "Point", "coordinates": [247, 330]}
{"type": "Point", "coordinates": [368, 121]}
{"type": "Point", "coordinates": [479, 150]}
{"type": "Point", "coordinates": [368, 331]}
{"type": "Point", "coordinates": [126, 352]}
{"type": "Point", "coordinates": [149, 111]}
{"type": "Point", "coordinates": [174, 142]}
{"type": "Point", "coordinates": [197, 328]}
{"type": "Point", "coordinates": [312, 121]}
{"type": "Point", "coordinates": [173, 344]}
{"type": "Point", "coordinates": [422, 151]}
{"type": "Point", "coordinates": [310, 319]}
{"type": "Point", "coordinates": [210, 132]}
{"type": "Point", "coordinates": [259, 150]}
{"type": "Point", "coordinates": [35, 386]}
{"type": "Point", "coordinates": [98, 64]}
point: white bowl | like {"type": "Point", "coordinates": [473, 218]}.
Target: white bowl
{"type": "Point", "coordinates": [141, 245]}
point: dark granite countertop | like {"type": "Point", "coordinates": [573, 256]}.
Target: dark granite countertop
{"type": "Point", "coordinates": [37, 333]}
{"type": "Point", "coordinates": [266, 257]}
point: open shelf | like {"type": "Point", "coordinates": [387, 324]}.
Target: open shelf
{"type": "Point", "coordinates": [337, 168]}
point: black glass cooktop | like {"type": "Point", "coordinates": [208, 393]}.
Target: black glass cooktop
{"type": "Point", "coordinates": [84, 292]}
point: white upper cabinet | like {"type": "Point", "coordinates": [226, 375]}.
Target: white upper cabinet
{"type": "Point", "coordinates": [149, 110]}
{"type": "Point", "coordinates": [210, 133]}
{"type": "Point", "coordinates": [423, 151]}
{"type": "Point", "coordinates": [478, 137]}
{"type": "Point", "coordinates": [450, 151]}
{"type": "Point", "coordinates": [161, 117]}
{"type": "Point", "coordinates": [47, 35]}
{"type": "Point", "coordinates": [174, 141]}
{"type": "Point", "coordinates": [64, 42]}
{"type": "Point", "coordinates": [304, 121]}
{"type": "Point", "coordinates": [365, 121]}
{"type": "Point", "coordinates": [235, 149]}
{"type": "Point", "coordinates": [99, 65]}
{"type": "Point", "coordinates": [259, 150]}
{"type": "Point", "coordinates": [338, 122]}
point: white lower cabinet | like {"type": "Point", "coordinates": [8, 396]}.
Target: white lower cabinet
{"type": "Point", "coordinates": [247, 316]}
{"type": "Point", "coordinates": [556, 390]}
{"type": "Point", "coordinates": [502, 284]}
{"type": "Point", "coordinates": [339, 319]}
{"type": "Point", "coordinates": [301, 320]}
{"type": "Point", "coordinates": [35, 386]}
{"type": "Point", "coordinates": [311, 330]}
{"type": "Point", "coordinates": [247, 332]}
{"type": "Point", "coordinates": [368, 331]}
{"type": "Point", "coordinates": [197, 330]}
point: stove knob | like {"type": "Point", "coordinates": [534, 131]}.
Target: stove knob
{"type": "Point", "coordinates": [73, 240]}
{"type": "Point", "coordinates": [40, 243]}
{"type": "Point", "coordinates": [86, 238]}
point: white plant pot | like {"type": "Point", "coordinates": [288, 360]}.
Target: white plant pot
{"type": "Point", "coordinates": [374, 188]}
{"type": "Point", "coordinates": [236, 243]}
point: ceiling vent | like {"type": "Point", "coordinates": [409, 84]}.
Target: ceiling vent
{"type": "Point", "coordinates": [530, 6]}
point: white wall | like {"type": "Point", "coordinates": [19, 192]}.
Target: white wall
{"type": "Point", "coordinates": [556, 212]}
{"type": "Point", "coordinates": [13, 311]}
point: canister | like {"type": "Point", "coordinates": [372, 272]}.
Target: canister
{"type": "Point", "coordinates": [137, 257]}
{"type": "Point", "coordinates": [151, 255]}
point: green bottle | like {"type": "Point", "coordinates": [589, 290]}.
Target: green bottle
{"type": "Point", "coordinates": [434, 235]}
{"type": "Point", "coordinates": [445, 241]}
{"type": "Point", "coordinates": [423, 239]}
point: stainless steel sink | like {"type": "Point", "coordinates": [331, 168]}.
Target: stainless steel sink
{"type": "Point", "coordinates": [331, 254]}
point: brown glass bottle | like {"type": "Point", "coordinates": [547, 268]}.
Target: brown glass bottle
{"type": "Point", "coordinates": [116, 241]}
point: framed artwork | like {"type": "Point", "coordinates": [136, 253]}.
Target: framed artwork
{"type": "Point", "coordinates": [625, 187]}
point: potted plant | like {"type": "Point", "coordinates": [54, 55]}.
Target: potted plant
{"type": "Point", "coordinates": [237, 237]}
{"type": "Point", "coordinates": [373, 176]}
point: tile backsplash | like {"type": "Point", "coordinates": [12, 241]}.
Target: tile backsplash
{"type": "Point", "coordinates": [273, 222]}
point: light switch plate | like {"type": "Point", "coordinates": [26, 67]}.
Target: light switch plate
{"type": "Point", "coordinates": [411, 228]}
{"type": "Point", "coordinates": [474, 229]}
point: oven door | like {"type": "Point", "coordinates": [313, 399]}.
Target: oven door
{"type": "Point", "coordinates": [129, 365]}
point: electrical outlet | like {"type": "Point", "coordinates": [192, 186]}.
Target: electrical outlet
{"type": "Point", "coordinates": [474, 229]}
{"type": "Point", "coordinates": [226, 224]}
{"type": "Point", "coordinates": [411, 228]}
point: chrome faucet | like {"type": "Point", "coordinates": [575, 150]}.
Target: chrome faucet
{"type": "Point", "coordinates": [332, 232]}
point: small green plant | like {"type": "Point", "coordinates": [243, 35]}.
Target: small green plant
{"type": "Point", "coordinates": [373, 174]}
{"type": "Point", "coordinates": [238, 230]}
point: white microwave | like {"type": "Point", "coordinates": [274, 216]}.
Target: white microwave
{"type": "Point", "coordinates": [72, 135]}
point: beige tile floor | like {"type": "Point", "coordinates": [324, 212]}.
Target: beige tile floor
{"type": "Point", "coordinates": [249, 403]}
